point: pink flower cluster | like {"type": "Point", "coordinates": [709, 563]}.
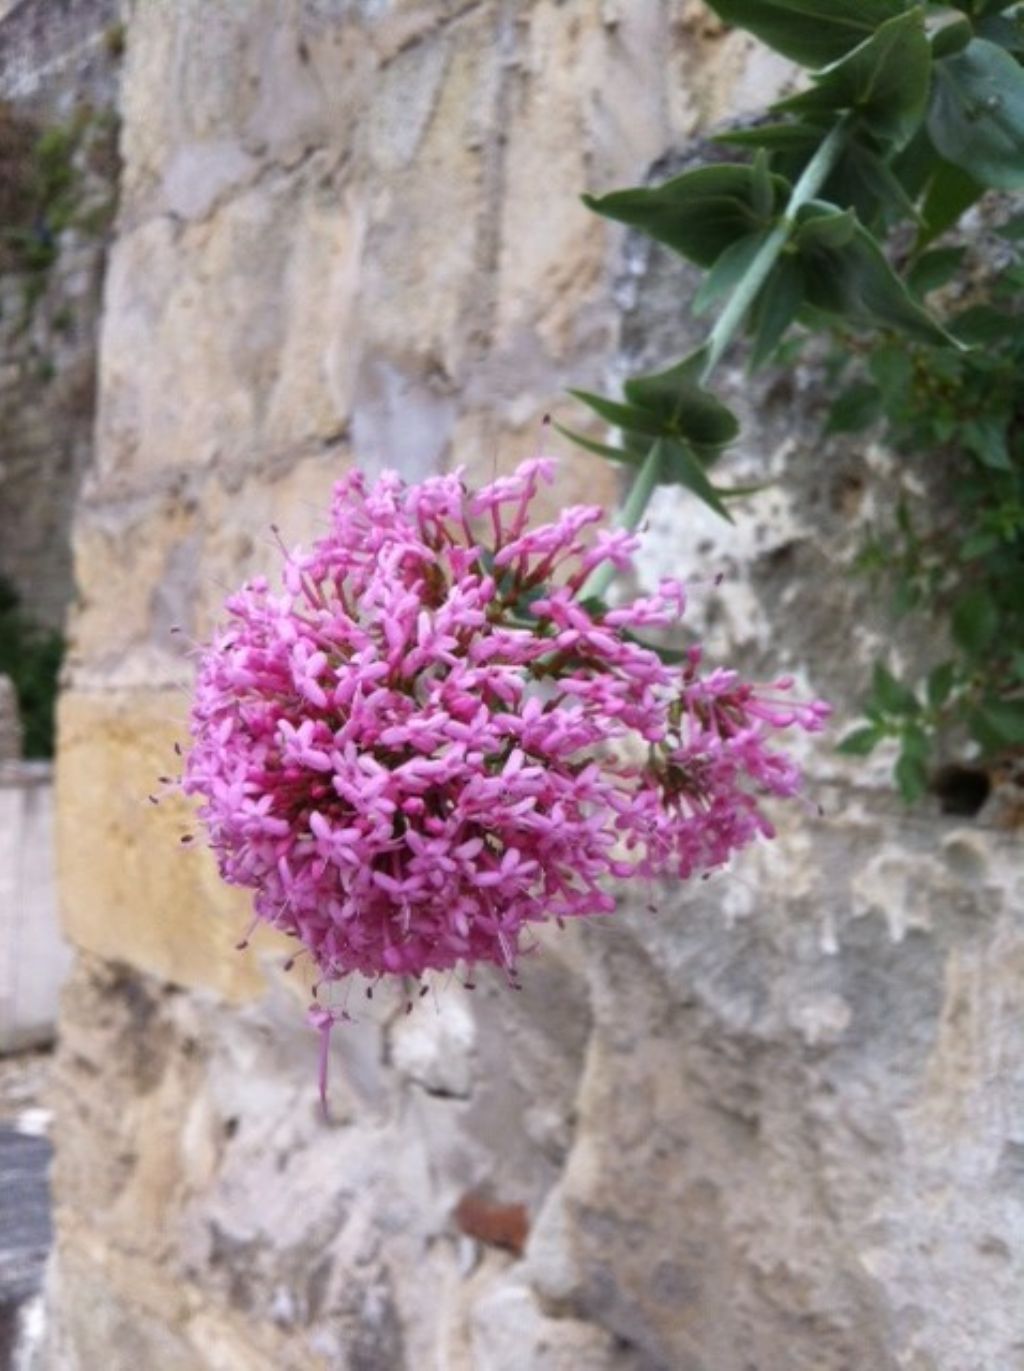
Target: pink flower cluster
{"type": "Point", "coordinates": [428, 740]}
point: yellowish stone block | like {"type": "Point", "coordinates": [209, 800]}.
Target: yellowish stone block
{"type": "Point", "coordinates": [130, 891]}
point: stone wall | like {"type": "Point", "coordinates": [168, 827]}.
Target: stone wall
{"type": "Point", "coordinates": [57, 53]}
{"type": "Point", "coordinates": [58, 70]}
{"type": "Point", "coordinates": [772, 1122]}
{"type": "Point", "coordinates": [33, 957]}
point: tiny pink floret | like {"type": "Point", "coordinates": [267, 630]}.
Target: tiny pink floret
{"type": "Point", "coordinates": [424, 743]}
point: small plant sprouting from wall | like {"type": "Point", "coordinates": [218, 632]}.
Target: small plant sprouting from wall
{"type": "Point", "coordinates": [42, 189]}
{"type": "Point", "coordinates": [837, 226]}
{"type": "Point", "coordinates": [957, 561]}
{"type": "Point", "coordinates": [31, 656]}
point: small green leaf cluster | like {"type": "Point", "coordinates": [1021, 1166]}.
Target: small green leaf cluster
{"type": "Point", "coordinates": [31, 656]}
{"type": "Point", "coordinates": [912, 112]}
{"type": "Point", "coordinates": [963, 565]}
{"type": "Point", "coordinates": [41, 187]}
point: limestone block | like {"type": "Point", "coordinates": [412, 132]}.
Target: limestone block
{"type": "Point", "coordinates": [208, 94]}
{"type": "Point", "coordinates": [290, 1238]}
{"type": "Point", "coordinates": [153, 575]}
{"type": "Point", "coordinates": [426, 274]}
{"type": "Point", "coordinates": [123, 1314]}
{"type": "Point", "coordinates": [578, 88]}
{"type": "Point", "coordinates": [199, 368]}
{"type": "Point", "coordinates": [125, 567]}
{"type": "Point", "coordinates": [435, 1048]}
{"type": "Point", "coordinates": [238, 524]}
{"type": "Point", "coordinates": [803, 1135]}
{"type": "Point", "coordinates": [510, 1330]}
{"type": "Point", "coordinates": [129, 890]}
{"type": "Point", "coordinates": [34, 958]}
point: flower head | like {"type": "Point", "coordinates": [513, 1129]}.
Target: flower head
{"type": "Point", "coordinates": [426, 741]}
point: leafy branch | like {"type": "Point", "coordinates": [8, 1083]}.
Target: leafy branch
{"type": "Point", "coordinates": [912, 111]}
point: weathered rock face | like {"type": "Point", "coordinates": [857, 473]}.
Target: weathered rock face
{"type": "Point", "coordinates": [772, 1121]}
{"type": "Point", "coordinates": [58, 81]}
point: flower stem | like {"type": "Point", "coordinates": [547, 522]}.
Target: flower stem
{"type": "Point", "coordinates": [811, 180]}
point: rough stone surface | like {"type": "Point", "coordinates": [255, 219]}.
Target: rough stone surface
{"type": "Point", "coordinates": [775, 1121]}
{"type": "Point", "coordinates": [10, 722]}
{"type": "Point", "coordinates": [57, 70]}
{"type": "Point", "coordinates": [158, 896]}
{"type": "Point", "coordinates": [34, 957]}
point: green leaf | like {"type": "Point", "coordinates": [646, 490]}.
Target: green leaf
{"type": "Point", "coordinates": [824, 226]}
{"type": "Point", "coordinates": [934, 269]}
{"type": "Point", "coordinates": [763, 189]}
{"type": "Point", "coordinates": [682, 406]}
{"type": "Point", "coordinates": [951, 38]}
{"type": "Point", "coordinates": [856, 284]}
{"type": "Point", "coordinates": [1004, 32]}
{"type": "Point", "coordinates": [891, 695]}
{"type": "Point", "coordinates": [984, 7]}
{"type": "Point", "coordinates": [861, 741]}
{"type": "Point", "coordinates": [982, 325]}
{"type": "Point", "coordinates": [914, 165]}
{"type": "Point", "coordinates": [794, 137]}
{"type": "Point", "coordinates": [976, 119]}
{"type": "Point", "coordinates": [884, 81]}
{"type": "Point", "coordinates": [915, 742]}
{"type": "Point", "coordinates": [775, 309]}
{"type": "Point", "coordinates": [629, 418]}
{"type": "Point", "coordinates": [855, 409]}
{"type": "Point", "coordinates": [911, 777]}
{"type": "Point", "coordinates": [727, 271]}
{"type": "Point", "coordinates": [892, 370]}
{"type": "Point", "coordinates": [974, 622]}
{"type": "Point", "coordinates": [867, 182]}
{"type": "Point", "coordinates": [998, 723]}
{"type": "Point", "coordinates": [811, 32]}
{"type": "Point", "coordinates": [698, 214]}
{"type": "Point", "coordinates": [950, 192]}
{"type": "Point", "coordinates": [940, 684]}
{"type": "Point", "coordinates": [905, 597]}
{"type": "Point", "coordinates": [613, 454]}
{"type": "Point", "coordinates": [680, 466]}
{"type": "Point", "coordinates": [978, 545]}
{"type": "Point", "coordinates": [986, 438]}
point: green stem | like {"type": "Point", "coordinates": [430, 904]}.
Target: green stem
{"type": "Point", "coordinates": [747, 289]}
{"type": "Point", "coordinates": [632, 511]}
